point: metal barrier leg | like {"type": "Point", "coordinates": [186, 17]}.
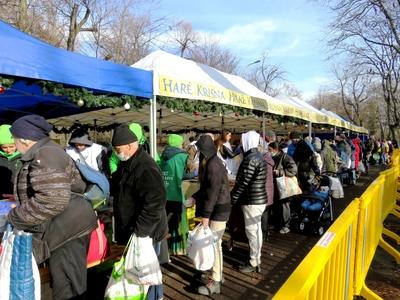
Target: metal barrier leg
{"type": "Point", "coordinates": [392, 235]}
{"type": "Point", "coordinates": [368, 294]}
{"type": "Point", "coordinates": [389, 249]}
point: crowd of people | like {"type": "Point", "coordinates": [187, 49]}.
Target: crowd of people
{"type": "Point", "coordinates": [147, 194]}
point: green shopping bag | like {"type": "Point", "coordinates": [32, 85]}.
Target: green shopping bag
{"type": "Point", "coordinates": [121, 288]}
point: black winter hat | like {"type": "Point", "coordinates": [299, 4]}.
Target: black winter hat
{"type": "Point", "coordinates": [31, 127]}
{"type": "Point", "coordinates": [123, 136]}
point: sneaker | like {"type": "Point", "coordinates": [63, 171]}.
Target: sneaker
{"type": "Point", "coordinates": [248, 268]}
{"type": "Point", "coordinates": [284, 230]}
{"type": "Point", "coordinates": [212, 287]}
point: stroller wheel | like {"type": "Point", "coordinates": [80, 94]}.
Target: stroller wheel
{"type": "Point", "coordinates": [302, 226]}
{"type": "Point", "coordinates": [320, 230]}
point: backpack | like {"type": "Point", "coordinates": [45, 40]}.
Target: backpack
{"type": "Point", "coordinates": [97, 185]}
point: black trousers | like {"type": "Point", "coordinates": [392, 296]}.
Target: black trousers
{"type": "Point", "coordinates": [68, 271]}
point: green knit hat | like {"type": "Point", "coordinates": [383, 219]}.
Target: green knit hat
{"type": "Point", "coordinates": [137, 130]}
{"type": "Point", "coordinates": [5, 135]}
{"type": "Point", "coordinates": [175, 140]}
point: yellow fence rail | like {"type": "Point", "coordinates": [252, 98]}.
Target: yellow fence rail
{"type": "Point", "coordinates": [338, 264]}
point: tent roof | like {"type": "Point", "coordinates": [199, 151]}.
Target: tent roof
{"type": "Point", "coordinates": [24, 56]}
{"type": "Point", "coordinates": [177, 77]}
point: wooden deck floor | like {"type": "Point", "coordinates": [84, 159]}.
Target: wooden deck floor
{"type": "Point", "coordinates": [280, 256]}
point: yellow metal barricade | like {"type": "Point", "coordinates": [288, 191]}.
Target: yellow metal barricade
{"type": "Point", "coordinates": [327, 271]}
{"type": "Point", "coordinates": [337, 266]}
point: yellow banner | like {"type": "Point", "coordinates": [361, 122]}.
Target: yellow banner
{"type": "Point", "coordinates": [171, 87]}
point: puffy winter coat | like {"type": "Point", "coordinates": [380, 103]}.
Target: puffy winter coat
{"type": "Point", "coordinates": [249, 188]}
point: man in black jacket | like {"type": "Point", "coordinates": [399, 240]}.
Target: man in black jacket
{"type": "Point", "coordinates": [249, 192]}
{"type": "Point", "coordinates": [139, 196]}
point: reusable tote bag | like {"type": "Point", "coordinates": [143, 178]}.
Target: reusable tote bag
{"type": "Point", "coordinates": [287, 186]}
{"type": "Point", "coordinates": [119, 287]}
{"type": "Point", "coordinates": [19, 274]}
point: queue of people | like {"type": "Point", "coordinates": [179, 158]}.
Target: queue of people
{"type": "Point", "coordinates": [148, 199]}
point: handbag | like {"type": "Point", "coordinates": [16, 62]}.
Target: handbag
{"type": "Point", "coordinates": [287, 187]}
{"type": "Point", "coordinates": [98, 246]}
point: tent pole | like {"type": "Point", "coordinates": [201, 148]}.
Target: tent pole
{"type": "Point", "coordinates": [153, 126]}
{"type": "Point", "coordinates": [334, 132]}
{"type": "Point", "coordinates": [263, 124]}
{"type": "Point", "coordinates": [95, 130]}
{"type": "Point", "coordinates": [309, 128]}
{"type": "Point", "coordinates": [159, 124]}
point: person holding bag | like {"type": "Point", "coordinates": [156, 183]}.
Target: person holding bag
{"type": "Point", "coordinates": [213, 205]}
{"type": "Point", "coordinates": [49, 194]}
{"type": "Point", "coordinates": [284, 166]}
{"type": "Point", "coordinates": [139, 197]}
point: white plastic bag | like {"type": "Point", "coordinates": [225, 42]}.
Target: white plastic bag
{"type": "Point", "coordinates": [119, 287]}
{"type": "Point", "coordinates": [361, 167]}
{"type": "Point", "coordinates": [287, 186]}
{"type": "Point", "coordinates": [141, 264]}
{"type": "Point", "coordinates": [201, 244]}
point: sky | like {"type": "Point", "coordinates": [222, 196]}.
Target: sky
{"type": "Point", "coordinates": [293, 32]}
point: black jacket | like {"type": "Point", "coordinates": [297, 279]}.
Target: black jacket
{"type": "Point", "coordinates": [139, 199]}
{"type": "Point", "coordinates": [8, 171]}
{"type": "Point", "coordinates": [213, 198]}
{"type": "Point", "coordinates": [249, 188]}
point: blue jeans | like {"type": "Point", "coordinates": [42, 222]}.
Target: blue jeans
{"type": "Point", "coordinates": [155, 292]}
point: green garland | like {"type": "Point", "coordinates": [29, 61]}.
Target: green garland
{"type": "Point", "coordinates": [89, 99]}
{"type": "Point", "coordinates": [6, 82]}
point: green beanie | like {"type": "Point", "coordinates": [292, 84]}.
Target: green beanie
{"type": "Point", "coordinates": [137, 130]}
{"type": "Point", "coordinates": [175, 140]}
{"type": "Point", "coordinates": [5, 135]}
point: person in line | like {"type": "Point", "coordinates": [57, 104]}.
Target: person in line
{"type": "Point", "coordinates": [137, 130]}
{"type": "Point", "coordinates": [284, 166]}
{"type": "Point", "coordinates": [9, 162]}
{"type": "Point", "coordinates": [139, 196]}
{"type": "Point", "coordinates": [173, 167]}
{"type": "Point", "coordinates": [49, 192]}
{"type": "Point", "coordinates": [330, 158]}
{"type": "Point", "coordinates": [82, 149]}
{"type": "Point", "coordinates": [249, 192]}
{"type": "Point", "coordinates": [270, 137]}
{"type": "Point", "coordinates": [225, 151]}
{"type": "Point", "coordinates": [294, 138]}
{"type": "Point", "coordinates": [213, 205]}
{"type": "Point", "coordinates": [307, 166]}
{"type": "Point", "coordinates": [269, 187]}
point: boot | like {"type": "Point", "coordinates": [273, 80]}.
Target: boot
{"type": "Point", "coordinates": [212, 287]}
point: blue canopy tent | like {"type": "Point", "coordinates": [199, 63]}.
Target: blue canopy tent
{"type": "Point", "coordinates": [26, 58]}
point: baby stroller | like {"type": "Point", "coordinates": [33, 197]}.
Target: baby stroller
{"type": "Point", "coordinates": [315, 209]}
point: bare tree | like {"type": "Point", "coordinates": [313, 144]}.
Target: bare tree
{"type": "Point", "coordinates": [265, 75]}
{"type": "Point", "coordinates": [128, 37]}
{"type": "Point", "coordinates": [209, 52]}
{"type": "Point", "coordinates": [367, 21]}
{"type": "Point", "coordinates": [353, 88]}
{"type": "Point", "coordinates": [184, 35]}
